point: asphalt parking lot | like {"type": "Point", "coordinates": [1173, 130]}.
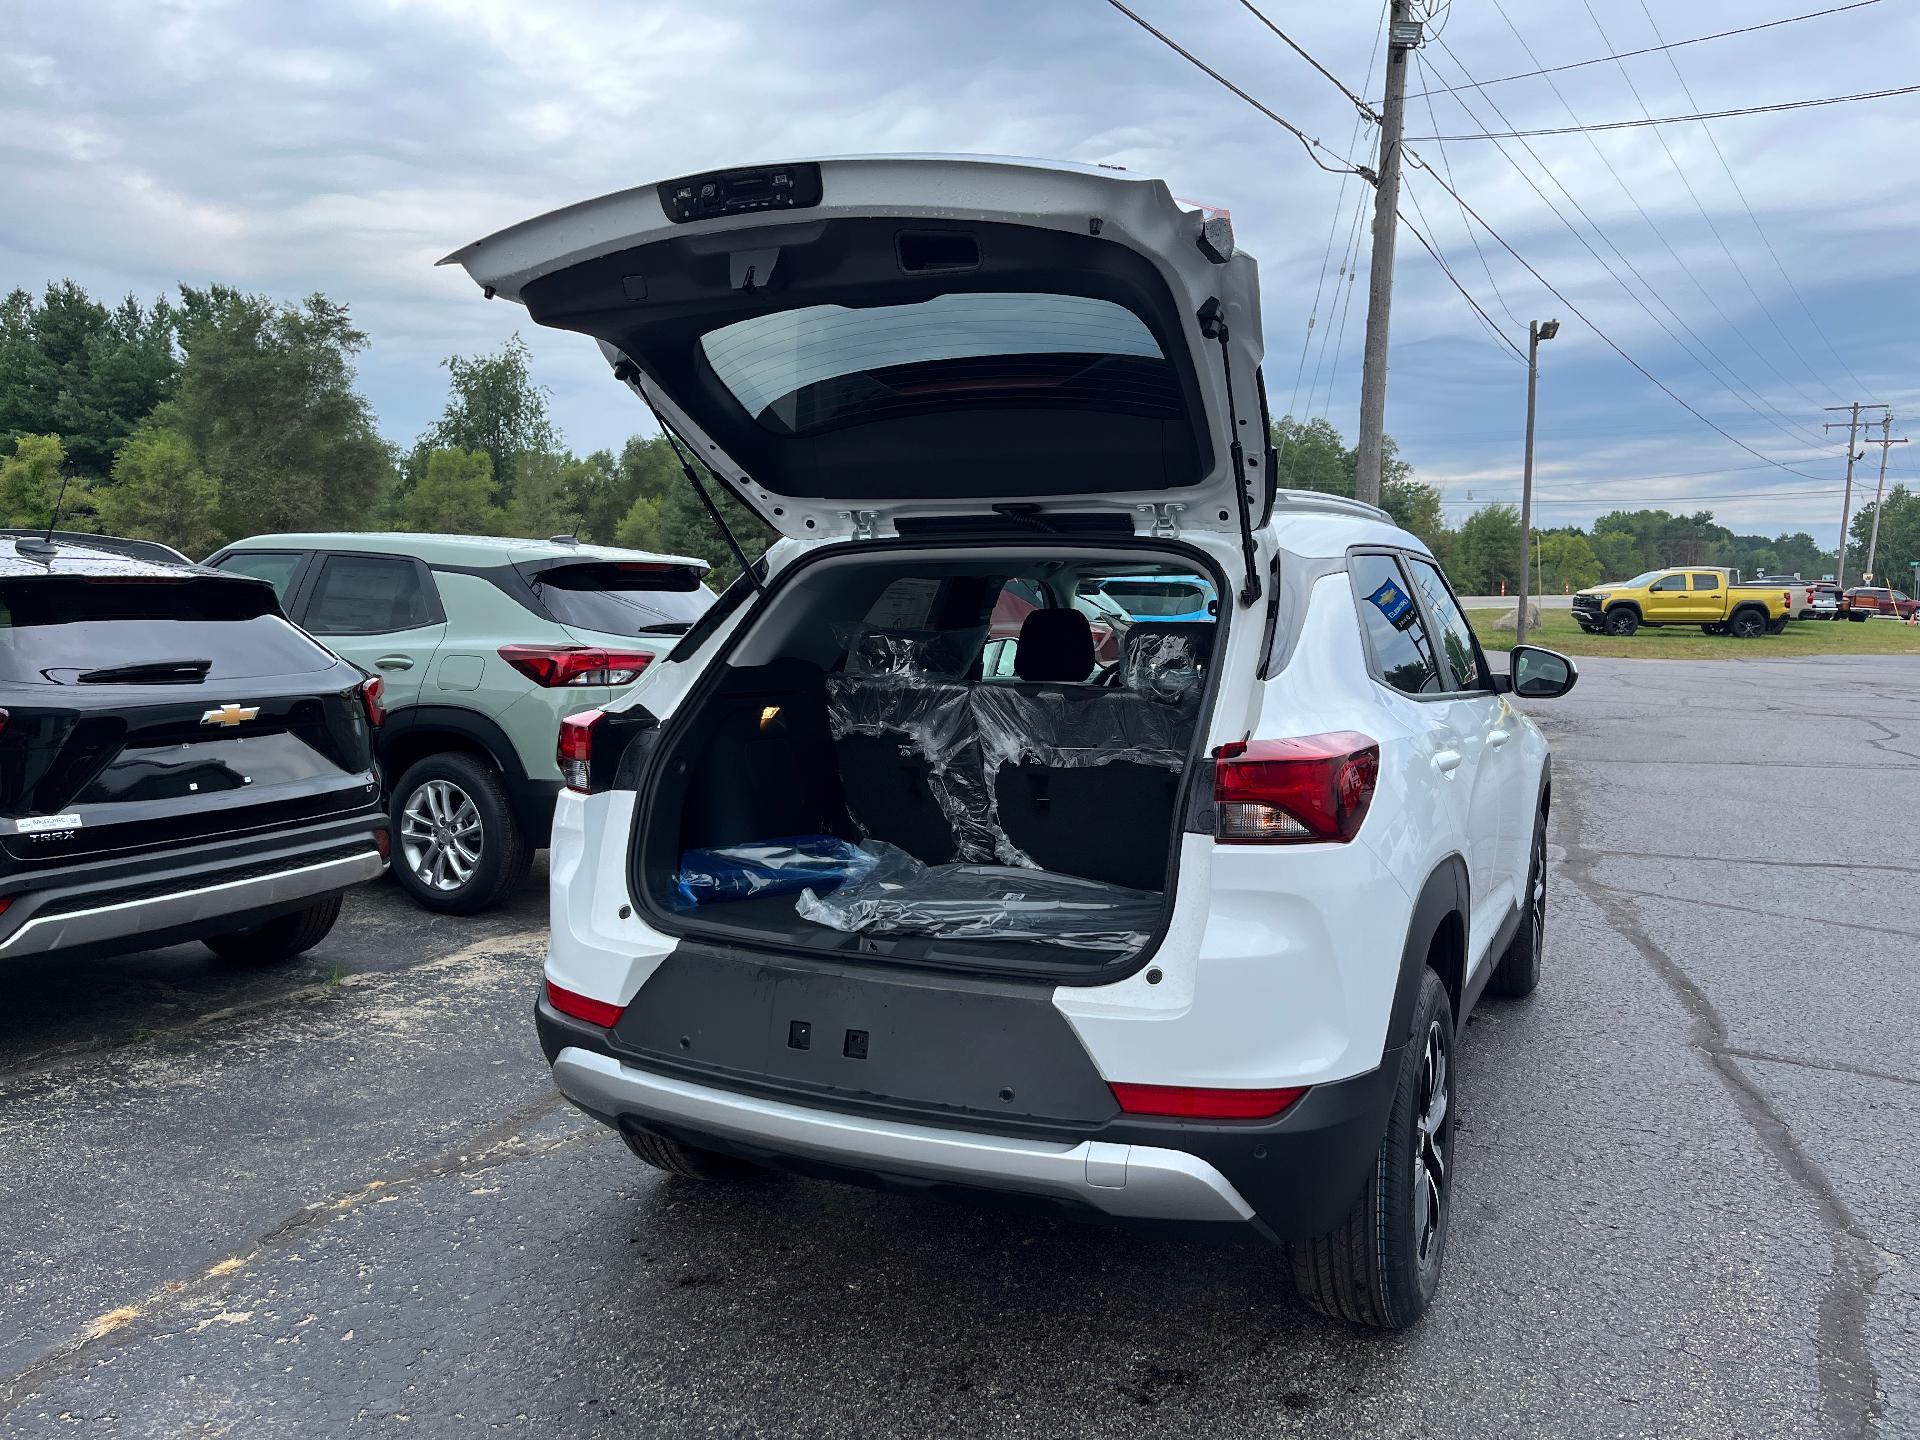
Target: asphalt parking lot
{"type": "Point", "coordinates": [342, 1194]}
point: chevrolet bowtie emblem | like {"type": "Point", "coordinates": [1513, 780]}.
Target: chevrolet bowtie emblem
{"type": "Point", "coordinates": [229, 714]}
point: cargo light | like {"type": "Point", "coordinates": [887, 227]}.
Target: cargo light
{"type": "Point", "coordinates": [553, 666]}
{"type": "Point", "coordinates": [584, 1007]}
{"type": "Point", "coordinates": [1294, 792]}
{"type": "Point", "coordinates": [575, 750]}
{"type": "Point", "coordinates": [1195, 1102]}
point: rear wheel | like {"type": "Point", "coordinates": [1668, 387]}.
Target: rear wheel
{"type": "Point", "coordinates": [686, 1161]}
{"type": "Point", "coordinates": [456, 848]}
{"type": "Point", "coordinates": [280, 938]}
{"type": "Point", "coordinates": [1622, 621]}
{"type": "Point", "coordinates": [1747, 624]}
{"type": "Point", "coordinates": [1381, 1265]}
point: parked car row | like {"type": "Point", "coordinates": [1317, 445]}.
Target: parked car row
{"type": "Point", "coordinates": [1863, 602]}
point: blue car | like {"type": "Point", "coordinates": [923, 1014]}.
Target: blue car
{"type": "Point", "coordinates": [1159, 597]}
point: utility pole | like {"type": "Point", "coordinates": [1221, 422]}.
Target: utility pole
{"type": "Point", "coordinates": [1852, 423]}
{"type": "Point", "coordinates": [1885, 443]}
{"type": "Point", "coordinates": [1403, 37]}
{"type": "Point", "coordinates": [1536, 332]}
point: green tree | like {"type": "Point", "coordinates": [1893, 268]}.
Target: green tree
{"type": "Point", "coordinates": [454, 496]}
{"type": "Point", "coordinates": [160, 492]}
{"type": "Point", "coordinates": [1486, 552]}
{"type": "Point", "coordinates": [1314, 456]}
{"type": "Point", "coordinates": [687, 529]}
{"type": "Point", "coordinates": [267, 399]}
{"type": "Point", "coordinates": [1899, 539]}
{"type": "Point", "coordinates": [1566, 562]}
{"type": "Point", "coordinates": [539, 507]}
{"type": "Point", "coordinates": [641, 529]}
{"type": "Point", "coordinates": [31, 479]}
{"type": "Point", "coordinates": [72, 367]}
{"type": "Point", "coordinates": [494, 407]}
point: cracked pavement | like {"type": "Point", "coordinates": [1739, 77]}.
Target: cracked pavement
{"type": "Point", "coordinates": [341, 1195]}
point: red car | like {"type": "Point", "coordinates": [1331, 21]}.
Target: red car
{"type": "Point", "coordinates": [1864, 600]}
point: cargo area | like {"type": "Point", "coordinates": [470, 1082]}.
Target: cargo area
{"type": "Point", "coordinates": [939, 760]}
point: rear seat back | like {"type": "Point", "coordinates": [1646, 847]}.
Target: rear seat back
{"type": "Point", "coordinates": [1083, 778]}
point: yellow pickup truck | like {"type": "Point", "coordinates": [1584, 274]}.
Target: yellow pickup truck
{"type": "Point", "coordinates": [1685, 595]}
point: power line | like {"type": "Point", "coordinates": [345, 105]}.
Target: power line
{"type": "Point", "coordinates": [1466, 225]}
{"type": "Point", "coordinates": [1446, 270]}
{"type": "Point", "coordinates": [1747, 205]}
{"type": "Point", "coordinates": [1655, 499]}
{"type": "Point", "coordinates": [1367, 111]}
{"type": "Point", "coordinates": [1292, 129]}
{"type": "Point", "coordinates": [1654, 225]}
{"type": "Point", "coordinates": [1727, 376]}
{"type": "Point", "coordinates": [1674, 119]}
{"type": "Point", "coordinates": [1664, 45]}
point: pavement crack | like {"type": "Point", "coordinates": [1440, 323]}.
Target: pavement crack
{"type": "Point", "coordinates": [502, 1143]}
{"type": "Point", "coordinates": [1850, 1394]}
{"type": "Point", "coordinates": [1838, 1067]}
{"type": "Point", "coordinates": [1765, 914]}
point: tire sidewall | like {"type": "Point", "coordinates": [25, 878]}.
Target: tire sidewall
{"type": "Point", "coordinates": [481, 783]}
{"type": "Point", "coordinates": [1407, 1284]}
{"type": "Point", "coordinates": [1622, 622]}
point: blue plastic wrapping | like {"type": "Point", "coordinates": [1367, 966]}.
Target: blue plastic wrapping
{"type": "Point", "coordinates": [783, 866]}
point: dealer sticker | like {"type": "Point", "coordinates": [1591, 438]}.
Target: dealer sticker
{"type": "Point", "coordinates": [34, 824]}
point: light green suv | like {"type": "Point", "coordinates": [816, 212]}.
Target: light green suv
{"type": "Point", "coordinates": [483, 646]}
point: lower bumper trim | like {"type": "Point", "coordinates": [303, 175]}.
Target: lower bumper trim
{"type": "Point", "coordinates": [1139, 1181]}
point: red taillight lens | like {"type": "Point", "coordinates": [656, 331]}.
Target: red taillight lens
{"type": "Point", "coordinates": [550, 666]}
{"type": "Point", "coordinates": [583, 1007]}
{"type": "Point", "coordinates": [1193, 1102]}
{"type": "Point", "coordinates": [383, 842]}
{"type": "Point", "coordinates": [1294, 792]}
{"type": "Point", "coordinates": [5, 901]}
{"type": "Point", "coordinates": [3, 719]}
{"type": "Point", "coordinates": [373, 692]}
{"type": "Point", "coordinates": [575, 752]}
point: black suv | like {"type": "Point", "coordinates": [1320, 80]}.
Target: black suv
{"type": "Point", "coordinates": [177, 761]}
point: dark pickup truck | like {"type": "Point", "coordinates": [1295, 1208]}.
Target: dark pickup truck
{"type": "Point", "coordinates": [177, 761]}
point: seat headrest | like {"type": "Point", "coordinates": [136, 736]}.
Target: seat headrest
{"type": "Point", "coordinates": [1055, 645]}
{"type": "Point", "coordinates": [1167, 659]}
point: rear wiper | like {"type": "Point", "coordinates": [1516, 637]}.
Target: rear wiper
{"type": "Point", "coordinates": [666, 627]}
{"type": "Point", "coordinates": [149, 672]}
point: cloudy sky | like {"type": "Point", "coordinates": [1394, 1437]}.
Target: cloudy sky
{"type": "Point", "coordinates": [345, 147]}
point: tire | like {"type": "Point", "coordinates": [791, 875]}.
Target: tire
{"type": "Point", "coordinates": [1518, 971]}
{"type": "Point", "coordinates": [1381, 1265]}
{"type": "Point", "coordinates": [1622, 621]}
{"type": "Point", "coordinates": [449, 814]}
{"type": "Point", "coordinates": [686, 1161]}
{"type": "Point", "coordinates": [1747, 624]}
{"type": "Point", "coordinates": [1777, 627]}
{"type": "Point", "coordinates": [280, 938]}
{"type": "Point", "coordinates": [1860, 616]}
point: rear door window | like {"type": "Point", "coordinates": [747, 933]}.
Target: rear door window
{"type": "Point", "coordinates": [621, 599]}
{"type": "Point", "coordinates": [1706, 581]}
{"type": "Point", "coordinates": [370, 595]}
{"type": "Point", "coordinates": [1396, 636]}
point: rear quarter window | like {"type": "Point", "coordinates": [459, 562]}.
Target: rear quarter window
{"type": "Point", "coordinates": [623, 599]}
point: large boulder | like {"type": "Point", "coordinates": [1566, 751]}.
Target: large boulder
{"type": "Point", "coordinates": [1511, 620]}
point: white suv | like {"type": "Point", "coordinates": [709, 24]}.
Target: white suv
{"type": "Point", "coordinates": [1190, 932]}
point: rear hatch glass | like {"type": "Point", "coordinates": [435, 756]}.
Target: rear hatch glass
{"type": "Point", "coordinates": [622, 598]}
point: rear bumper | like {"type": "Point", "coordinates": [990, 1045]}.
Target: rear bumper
{"type": "Point", "coordinates": [1139, 1181]}
{"type": "Point", "coordinates": [109, 905]}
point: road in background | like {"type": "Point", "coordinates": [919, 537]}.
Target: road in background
{"type": "Point", "coordinates": [343, 1193]}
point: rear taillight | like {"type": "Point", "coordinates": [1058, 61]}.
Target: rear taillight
{"type": "Point", "coordinates": [1194, 1102]}
{"type": "Point", "coordinates": [584, 1007]}
{"type": "Point", "coordinates": [373, 692]}
{"type": "Point", "coordinates": [1294, 792]}
{"type": "Point", "coordinates": [383, 842]}
{"type": "Point", "coordinates": [551, 666]}
{"type": "Point", "coordinates": [5, 901]}
{"type": "Point", "coordinates": [3, 720]}
{"type": "Point", "coordinates": [575, 752]}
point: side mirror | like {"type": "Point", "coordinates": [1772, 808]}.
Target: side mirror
{"type": "Point", "coordinates": [1539, 674]}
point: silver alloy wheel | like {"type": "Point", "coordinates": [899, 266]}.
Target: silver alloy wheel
{"type": "Point", "coordinates": [1431, 1134]}
{"type": "Point", "coordinates": [1538, 903]}
{"type": "Point", "coordinates": [440, 835]}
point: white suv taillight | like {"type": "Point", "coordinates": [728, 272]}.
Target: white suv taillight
{"type": "Point", "coordinates": [575, 752]}
{"type": "Point", "coordinates": [1294, 792]}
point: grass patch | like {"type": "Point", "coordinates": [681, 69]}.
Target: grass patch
{"type": "Point", "coordinates": [1558, 631]}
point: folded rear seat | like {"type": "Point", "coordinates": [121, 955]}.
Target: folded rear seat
{"type": "Point", "coordinates": [1084, 778]}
